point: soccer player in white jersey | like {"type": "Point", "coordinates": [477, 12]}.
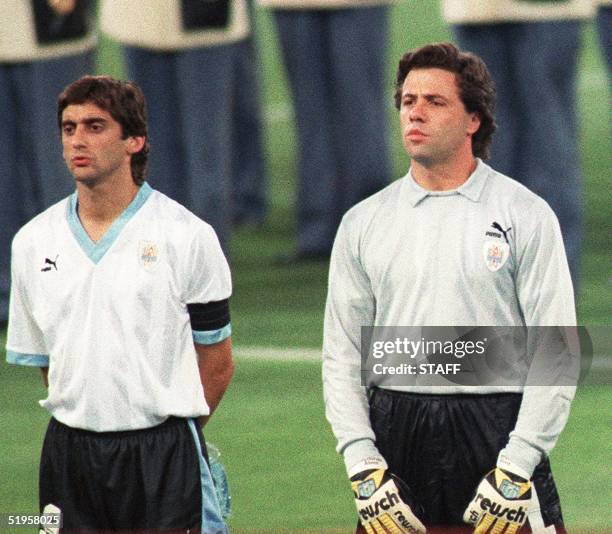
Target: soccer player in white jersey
{"type": "Point", "coordinates": [452, 243]}
{"type": "Point", "coordinates": [120, 296]}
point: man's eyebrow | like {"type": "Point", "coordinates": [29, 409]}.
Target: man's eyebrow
{"type": "Point", "coordinates": [88, 120]}
{"type": "Point", "coordinates": [428, 96]}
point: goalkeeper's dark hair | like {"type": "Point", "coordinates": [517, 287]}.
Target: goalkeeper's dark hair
{"type": "Point", "coordinates": [125, 103]}
{"type": "Point", "coordinates": [476, 87]}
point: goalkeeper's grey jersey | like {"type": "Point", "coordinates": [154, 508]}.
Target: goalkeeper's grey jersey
{"type": "Point", "coordinates": [487, 253]}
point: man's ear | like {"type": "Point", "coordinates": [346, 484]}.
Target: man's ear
{"type": "Point", "coordinates": [474, 123]}
{"type": "Point", "coordinates": [135, 143]}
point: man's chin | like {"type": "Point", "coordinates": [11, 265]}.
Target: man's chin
{"type": "Point", "coordinates": [425, 160]}
{"type": "Point", "coordinates": [85, 179]}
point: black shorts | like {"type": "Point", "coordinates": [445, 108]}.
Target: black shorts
{"type": "Point", "coordinates": [138, 480]}
{"type": "Point", "coordinates": [443, 445]}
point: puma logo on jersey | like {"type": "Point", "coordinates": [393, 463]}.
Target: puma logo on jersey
{"type": "Point", "coordinates": [49, 264]}
{"type": "Point", "coordinates": [498, 227]}
{"type": "Point", "coordinates": [373, 510]}
{"type": "Point", "coordinates": [495, 509]}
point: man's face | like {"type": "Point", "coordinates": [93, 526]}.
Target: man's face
{"type": "Point", "coordinates": [435, 124]}
{"type": "Point", "coordinates": [92, 143]}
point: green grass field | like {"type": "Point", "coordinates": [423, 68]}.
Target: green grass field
{"type": "Point", "coordinates": [275, 442]}
{"type": "Point", "coordinates": [279, 453]}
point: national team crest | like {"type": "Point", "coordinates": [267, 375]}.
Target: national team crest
{"type": "Point", "coordinates": [366, 489]}
{"type": "Point", "coordinates": [495, 254]}
{"type": "Point", "coordinates": [148, 254]}
{"type": "Point", "coordinates": [509, 489]}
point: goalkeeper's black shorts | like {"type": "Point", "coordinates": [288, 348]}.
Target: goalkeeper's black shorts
{"type": "Point", "coordinates": [138, 481]}
{"type": "Point", "coordinates": [443, 445]}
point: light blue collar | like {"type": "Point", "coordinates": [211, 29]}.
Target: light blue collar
{"type": "Point", "coordinates": [96, 251]}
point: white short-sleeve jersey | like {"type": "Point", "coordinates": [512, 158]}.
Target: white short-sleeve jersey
{"type": "Point", "coordinates": [110, 318]}
{"type": "Point", "coordinates": [489, 253]}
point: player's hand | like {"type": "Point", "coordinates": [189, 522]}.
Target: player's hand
{"type": "Point", "coordinates": [500, 504]}
{"type": "Point", "coordinates": [50, 529]}
{"type": "Point", "coordinates": [381, 506]}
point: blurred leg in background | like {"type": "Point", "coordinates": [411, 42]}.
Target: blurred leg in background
{"type": "Point", "coordinates": [190, 120]}
{"type": "Point", "coordinates": [604, 30]}
{"type": "Point", "coordinates": [335, 63]}
{"type": "Point", "coordinates": [250, 187]}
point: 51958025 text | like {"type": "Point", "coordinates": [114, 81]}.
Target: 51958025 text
{"type": "Point", "coordinates": [30, 520]}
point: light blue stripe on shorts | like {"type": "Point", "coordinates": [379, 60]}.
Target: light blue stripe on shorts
{"type": "Point", "coordinates": [212, 522]}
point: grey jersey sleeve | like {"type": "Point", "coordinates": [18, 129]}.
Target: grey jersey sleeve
{"type": "Point", "coordinates": [350, 304]}
{"type": "Point", "coordinates": [546, 297]}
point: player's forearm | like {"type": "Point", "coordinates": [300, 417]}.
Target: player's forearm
{"type": "Point", "coordinates": [346, 409]}
{"type": "Point", "coordinates": [547, 396]}
{"type": "Point", "coordinates": [44, 371]}
{"type": "Point", "coordinates": [542, 417]}
{"type": "Point", "coordinates": [216, 369]}
{"type": "Point", "coordinates": [215, 391]}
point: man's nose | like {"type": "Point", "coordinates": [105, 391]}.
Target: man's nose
{"type": "Point", "coordinates": [417, 111]}
{"type": "Point", "coordinates": [78, 136]}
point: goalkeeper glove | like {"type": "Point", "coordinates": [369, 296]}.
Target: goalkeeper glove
{"type": "Point", "coordinates": [381, 500]}
{"type": "Point", "coordinates": [500, 504]}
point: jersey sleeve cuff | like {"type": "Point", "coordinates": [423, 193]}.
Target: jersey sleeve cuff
{"type": "Point", "coordinates": [359, 451]}
{"type": "Point", "coordinates": [519, 458]}
{"type": "Point", "coordinates": [31, 360]}
{"type": "Point", "coordinates": [210, 337]}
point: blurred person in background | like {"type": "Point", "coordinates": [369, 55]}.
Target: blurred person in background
{"type": "Point", "coordinates": [604, 29]}
{"type": "Point", "coordinates": [184, 54]}
{"type": "Point", "coordinates": [250, 188]}
{"type": "Point", "coordinates": [44, 45]}
{"type": "Point", "coordinates": [334, 53]}
{"type": "Point", "coordinates": [531, 49]}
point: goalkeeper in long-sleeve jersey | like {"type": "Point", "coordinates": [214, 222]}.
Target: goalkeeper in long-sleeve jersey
{"type": "Point", "coordinates": [452, 243]}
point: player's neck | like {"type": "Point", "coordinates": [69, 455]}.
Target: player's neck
{"type": "Point", "coordinates": [100, 203]}
{"type": "Point", "coordinates": [443, 176]}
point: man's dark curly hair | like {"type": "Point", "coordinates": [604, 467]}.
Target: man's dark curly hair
{"type": "Point", "coordinates": [476, 87]}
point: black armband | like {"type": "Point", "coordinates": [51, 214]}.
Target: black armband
{"type": "Point", "coordinates": [209, 316]}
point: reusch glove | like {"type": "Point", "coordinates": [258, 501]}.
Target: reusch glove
{"type": "Point", "coordinates": [501, 503]}
{"type": "Point", "coordinates": [384, 503]}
